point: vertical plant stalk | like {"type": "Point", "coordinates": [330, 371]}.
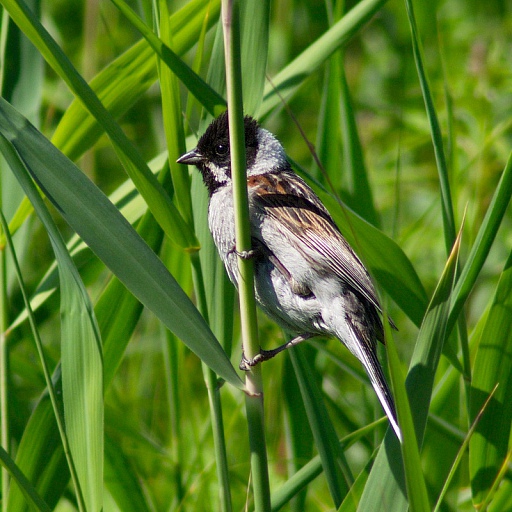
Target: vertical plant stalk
{"type": "Point", "coordinates": [4, 410]}
{"type": "Point", "coordinates": [213, 387]}
{"type": "Point", "coordinates": [254, 387]}
{"type": "Point", "coordinates": [176, 146]}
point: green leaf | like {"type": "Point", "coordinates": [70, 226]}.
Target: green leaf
{"type": "Point", "coordinates": [113, 240]}
{"type": "Point", "coordinates": [493, 366]}
{"type": "Point", "coordinates": [287, 82]}
{"type": "Point", "coordinates": [386, 483]}
{"type": "Point", "coordinates": [82, 365]}
{"type": "Point", "coordinates": [24, 484]}
{"type": "Point", "coordinates": [333, 460]}
{"type": "Point", "coordinates": [147, 184]}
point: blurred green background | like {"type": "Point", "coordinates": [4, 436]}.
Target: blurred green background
{"type": "Point", "coordinates": [157, 421]}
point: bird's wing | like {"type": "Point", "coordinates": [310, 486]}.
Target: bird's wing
{"type": "Point", "coordinates": [289, 206]}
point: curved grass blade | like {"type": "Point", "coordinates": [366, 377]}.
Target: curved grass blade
{"type": "Point", "coordinates": [113, 240]}
{"type": "Point", "coordinates": [24, 484]}
{"type": "Point", "coordinates": [435, 130]}
{"type": "Point", "coordinates": [287, 82]}
{"type": "Point", "coordinates": [213, 102]}
{"type": "Point", "coordinates": [56, 403]}
{"type": "Point", "coordinates": [117, 312]}
{"type": "Point", "coordinates": [386, 483]}
{"type": "Point", "coordinates": [157, 199]}
{"type": "Point", "coordinates": [124, 80]}
{"type": "Point", "coordinates": [82, 365]}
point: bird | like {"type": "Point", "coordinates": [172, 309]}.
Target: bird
{"type": "Point", "coordinates": [307, 277]}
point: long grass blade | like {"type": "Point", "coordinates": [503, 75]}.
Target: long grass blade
{"type": "Point", "coordinates": [435, 130]}
{"type": "Point", "coordinates": [493, 366]}
{"type": "Point", "coordinates": [82, 365]}
{"type": "Point", "coordinates": [24, 484]}
{"type": "Point", "coordinates": [149, 187]}
{"type": "Point", "coordinates": [112, 238]}
{"type": "Point", "coordinates": [386, 483]}
{"type": "Point", "coordinates": [210, 99]}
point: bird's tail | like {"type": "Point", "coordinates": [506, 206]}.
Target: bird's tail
{"type": "Point", "coordinates": [368, 357]}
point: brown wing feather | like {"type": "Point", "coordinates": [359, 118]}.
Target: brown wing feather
{"type": "Point", "coordinates": [289, 201]}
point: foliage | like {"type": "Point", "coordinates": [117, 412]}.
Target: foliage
{"type": "Point", "coordinates": [120, 332]}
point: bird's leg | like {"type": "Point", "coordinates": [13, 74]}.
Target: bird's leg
{"type": "Point", "coordinates": [256, 251]}
{"type": "Point", "coordinates": [265, 355]}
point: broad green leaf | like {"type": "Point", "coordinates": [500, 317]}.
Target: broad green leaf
{"type": "Point", "coordinates": [82, 365]}
{"type": "Point", "coordinates": [493, 366]}
{"type": "Point", "coordinates": [386, 483]}
{"type": "Point", "coordinates": [113, 240]}
{"type": "Point", "coordinates": [118, 311]}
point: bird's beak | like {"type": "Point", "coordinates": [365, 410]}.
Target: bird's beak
{"type": "Point", "coordinates": [191, 158]}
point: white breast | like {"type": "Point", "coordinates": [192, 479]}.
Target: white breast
{"type": "Point", "coordinates": [221, 222]}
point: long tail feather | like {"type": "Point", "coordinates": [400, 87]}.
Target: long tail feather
{"type": "Point", "coordinates": [368, 357]}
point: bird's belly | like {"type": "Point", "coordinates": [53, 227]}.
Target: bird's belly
{"type": "Point", "coordinates": [298, 314]}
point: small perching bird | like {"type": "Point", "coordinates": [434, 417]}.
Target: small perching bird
{"type": "Point", "coordinates": [307, 277]}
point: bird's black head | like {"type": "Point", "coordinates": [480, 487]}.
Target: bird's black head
{"type": "Point", "coordinates": [212, 155]}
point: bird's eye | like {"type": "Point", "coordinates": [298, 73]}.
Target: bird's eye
{"type": "Point", "coordinates": [221, 149]}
